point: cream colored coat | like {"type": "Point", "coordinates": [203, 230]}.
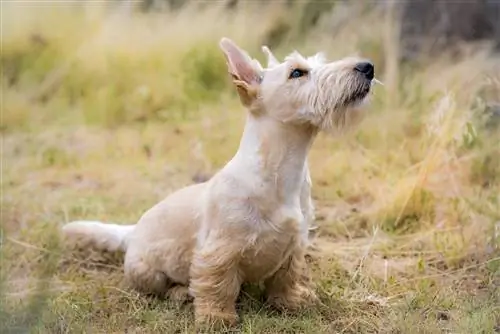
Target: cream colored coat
{"type": "Point", "coordinates": [250, 221]}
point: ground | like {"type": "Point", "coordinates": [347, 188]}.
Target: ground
{"type": "Point", "coordinates": [104, 116]}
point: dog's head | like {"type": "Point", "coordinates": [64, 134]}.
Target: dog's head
{"type": "Point", "coordinates": [300, 90]}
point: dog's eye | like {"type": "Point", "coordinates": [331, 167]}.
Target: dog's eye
{"type": "Point", "coordinates": [297, 73]}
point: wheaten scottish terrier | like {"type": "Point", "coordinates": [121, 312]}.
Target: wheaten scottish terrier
{"type": "Point", "coordinates": [250, 221]}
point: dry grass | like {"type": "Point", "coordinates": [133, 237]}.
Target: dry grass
{"type": "Point", "coordinates": [103, 115]}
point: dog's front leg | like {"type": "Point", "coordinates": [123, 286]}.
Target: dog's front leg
{"type": "Point", "coordinates": [306, 205]}
{"type": "Point", "coordinates": [290, 288]}
{"type": "Point", "coordinates": [215, 284]}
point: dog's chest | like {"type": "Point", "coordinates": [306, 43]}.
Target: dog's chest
{"type": "Point", "coordinates": [267, 250]}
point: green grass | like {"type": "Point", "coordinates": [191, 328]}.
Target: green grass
{"type": "Point", "coordinates": [103, 116]}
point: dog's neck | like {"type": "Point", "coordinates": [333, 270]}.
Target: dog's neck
{"type": "Point", "coordinates": [275, 153]}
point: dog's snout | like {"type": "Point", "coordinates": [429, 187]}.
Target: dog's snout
{"type": "Point", "coordinates": [366, 68]}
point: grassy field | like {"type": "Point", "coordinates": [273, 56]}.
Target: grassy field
{"type": "Point", "coordinates": [104, 114]}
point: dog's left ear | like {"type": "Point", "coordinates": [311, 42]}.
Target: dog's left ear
{"type": "Point", "coordinates": [246, 72]}
{"type": "Point", "coordinates": [271, 59]}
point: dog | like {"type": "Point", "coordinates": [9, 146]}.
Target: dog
{"type": "Point", "coordinates": [250, 221]}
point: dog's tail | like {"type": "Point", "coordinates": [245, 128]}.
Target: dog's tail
{"type": "Point", "coordinates": [100, 236]}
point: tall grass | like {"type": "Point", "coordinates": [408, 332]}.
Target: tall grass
{"type": "Point", "coordinates": [107, 111]}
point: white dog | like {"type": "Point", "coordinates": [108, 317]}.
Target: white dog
{"type": "Point", "coordinates": [249, 222]}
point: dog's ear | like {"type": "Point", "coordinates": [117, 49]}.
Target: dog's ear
{"type": "Point", "coordinates": [246, 72]}
{"type": "Point", "coordinates": [271, 59]}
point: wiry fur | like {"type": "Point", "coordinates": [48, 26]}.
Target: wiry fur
{"type": "Point", "coordinates": [248, 223]}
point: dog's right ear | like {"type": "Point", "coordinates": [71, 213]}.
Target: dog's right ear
{"type": "Point", "coordinates": [244, 70]}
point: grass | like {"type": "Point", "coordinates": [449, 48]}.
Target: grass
{"type": "Point", "coordinates": [105, 114]}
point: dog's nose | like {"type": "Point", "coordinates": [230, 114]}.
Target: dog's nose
{"type": "Point", "coordinates": [367, 69]}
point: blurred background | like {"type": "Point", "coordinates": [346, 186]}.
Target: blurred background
{"type": "Point", "coordinates": [109, 106]}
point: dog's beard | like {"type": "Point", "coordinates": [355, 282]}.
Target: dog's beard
{"type": "Point", "coordinates": [359, 91]}
{"type": "Point", "coordinates": [347, 112]}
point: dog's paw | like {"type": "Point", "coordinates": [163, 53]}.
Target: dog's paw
{"type": "Point", "coordinates": [207, 322]}
{"type": "Point", "coordinates": [179, 294]}
{"type": "Point", "coordinates": [308, 296]}
{"type": "Point", "coordinates": [300, 297]}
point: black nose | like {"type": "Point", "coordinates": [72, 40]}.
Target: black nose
{"type": "Point", "coordinates": [367, 69]}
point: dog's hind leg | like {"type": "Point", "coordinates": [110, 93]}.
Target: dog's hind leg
{"type": "Point", "coordinates": [148, 280]}
{"type": "Point", "coordinates": [144, 278]}
{"type": "Point", "coordinates": [179, 293]}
